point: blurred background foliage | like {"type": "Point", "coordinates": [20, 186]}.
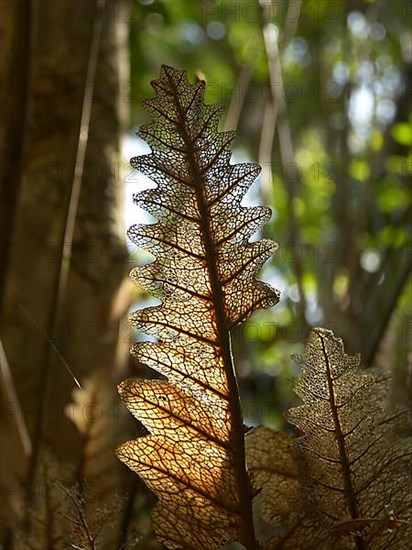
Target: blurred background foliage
{"type": "Point", "coordinates": [320, 93]}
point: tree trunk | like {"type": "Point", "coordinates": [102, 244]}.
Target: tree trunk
{"type": "Point", "coordinates": [85, 325]}
{"type": "Point", "coordinates": [16, 30]}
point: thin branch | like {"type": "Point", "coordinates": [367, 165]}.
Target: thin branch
{"type": "Point", "coordinates": [385, 306]}
{"type": "Point", "coordinates": [276, 112]}
{"type": "Point", "coordinates": [238, 98]}
{"type": "Point", "coordinates": [9, 396]}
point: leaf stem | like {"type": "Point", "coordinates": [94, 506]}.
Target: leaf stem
{"type": "Point", "coordinates": [248, 538]}
{"type": "Point", "coordinates": [350, 494]}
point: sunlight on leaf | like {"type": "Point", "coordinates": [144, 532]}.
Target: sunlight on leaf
{"type": "Point", "coordinates": [204, 273]}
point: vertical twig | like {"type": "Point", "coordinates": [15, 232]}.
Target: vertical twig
{"type": "Point", "coordinates": [238, 98]}
{"type": "Point", "coordinates": [276, 112]}
{"type": "Point", "coordinates": [9, 397]}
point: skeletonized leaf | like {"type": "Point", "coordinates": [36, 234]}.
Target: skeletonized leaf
{"type": "Point", "coordinates": [272, 462]}
{"type": "Point", "coordinates": [204, 273]}
{"type": "Point", "coordinates": [356, 466]}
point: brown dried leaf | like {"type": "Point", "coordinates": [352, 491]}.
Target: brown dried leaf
{"type": "Point", "coordinates": [95, 412]}
{"type": "Point", "coordinates": [45, 527]}
{"type": "Point", "coordinates": [272, 462]}
{"type": "Point", "coordinates": [97, 498]}
{"type": "Point", "coordinates": [197, 202]}
{"type": "Point", "coordinates": [204, 273]}
{"type": "Point", "coordinates": [357, 468]}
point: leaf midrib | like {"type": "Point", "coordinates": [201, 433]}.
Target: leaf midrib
{"type": "Point", "coordinates": [349, 491]}
{"type": "Point", "coordinates": [237, 436]}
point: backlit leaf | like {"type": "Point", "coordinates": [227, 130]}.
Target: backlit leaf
{"type": "Point", "coordinates": [204, 272]}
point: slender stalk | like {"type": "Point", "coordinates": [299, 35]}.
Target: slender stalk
{"type": "Point", "coordinates": [276, 117]}
{"type": "Point", "coordinates": [10, 397]}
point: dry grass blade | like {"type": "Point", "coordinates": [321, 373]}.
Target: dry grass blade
{"type": "Point", "coordinates": [15, 448]}
{"type": "Point", "coordinates": [204, 273]}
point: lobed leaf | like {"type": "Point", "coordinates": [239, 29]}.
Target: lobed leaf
{"type": "Point", "coordinates": [356, 466]}
{"type": "Point", "coordinates": [204, 272]}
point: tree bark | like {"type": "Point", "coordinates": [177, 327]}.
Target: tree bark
{"type": "Point", "coordinates": [87, 331]}
{"type": "Point", "coordinates": [16, 33]}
